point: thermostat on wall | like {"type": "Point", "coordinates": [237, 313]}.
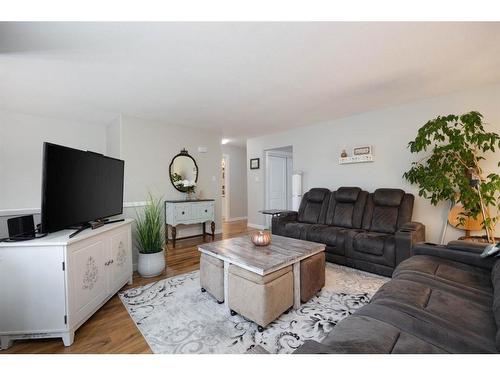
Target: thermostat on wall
{"type": "Point", "coordinates": [202, 149]}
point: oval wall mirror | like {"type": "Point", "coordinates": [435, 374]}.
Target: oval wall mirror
{"type": "Point", "coordinates": [183, 172]}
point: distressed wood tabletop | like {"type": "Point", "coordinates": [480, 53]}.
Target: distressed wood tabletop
{"type": "Point", "coordinates": [282, 252]}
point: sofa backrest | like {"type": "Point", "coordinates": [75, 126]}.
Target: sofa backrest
{"type": "Point", "coordinates": [387, 210]}
{"type": "Point", "coordinates": [313, 206]}
{"type": "Point", "coordinates": [495, 279]}
{"type": "Point", "coordinates": [345, 207]}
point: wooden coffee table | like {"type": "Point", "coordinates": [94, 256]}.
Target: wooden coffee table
{"type": "Point", "coordinates": [262, 260]}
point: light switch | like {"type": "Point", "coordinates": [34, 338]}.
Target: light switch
{"type": "Point", "coordinates": [202, 149]}
{"type": "Point", "coordinates": [257, 179]}
{"type": "Point", "coordinates": [213, 178]}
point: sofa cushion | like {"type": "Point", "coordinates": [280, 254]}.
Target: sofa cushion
{"type": "Point", "coordinates": [388, 197]}
{"type": "Point", "coordinates": [425, 327]}
{"type": "Point", "coordinates": [347, 194]}
{"type": "Point", "coordinates": [440, 307]}
{"type": "Point", "coordinates": [372, 243]}
{"type": "Point", "coordinates": [473, 280]}
{"type": "Point", "coordinates": [313, 206]}
{"type": "Point", "coordinates": [387, 210]}
{"type": "Point", "coordinates": [495, 279]}
{"type": "Point", "coordinates": [297, 230]}
{"type": "Point", "coordinates": [317, 195]}
{"type": "Point", "coordinates": [343, 215]}
{"type": "Point", "coordinates": [363, 334]}
{"type": "Point", "coordinates": [345, 207]}
{"type": "Point", "coordinates": [385, 219]}
{"type": "Point", "coordinates": [324, 234]}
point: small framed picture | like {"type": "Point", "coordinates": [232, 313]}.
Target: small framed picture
{"type": "Point", "coordinates": [255, 163]}
{"type": "Point", "coordinates": [362, 150]}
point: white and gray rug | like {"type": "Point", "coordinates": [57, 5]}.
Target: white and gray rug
{"type": "Point", "coordinates": [175, 317]}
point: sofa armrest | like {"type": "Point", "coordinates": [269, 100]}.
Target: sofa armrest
{"type": "Point", "coordinates": [459, 251]}
{"type": "Point", "coordinates": [406, 237]}
{"type": "Point", "coordinates": [279, 221]}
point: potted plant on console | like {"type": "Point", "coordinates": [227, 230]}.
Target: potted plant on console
{"type": "Point", "coordinates": [150, 239]}
{"type": "Point", "coordinates": [453, 172]}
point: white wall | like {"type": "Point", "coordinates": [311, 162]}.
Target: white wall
{"type": "Point", "coordinates": [316, 150]}
{"type": "Point", "coordinates": [148, 148]}
{"type": "Point", "coordinates": [21, 140]}
{"type": "Point", "coordinates": [114, 138]}
{"type": "Point", "coordinates": [237, 181]}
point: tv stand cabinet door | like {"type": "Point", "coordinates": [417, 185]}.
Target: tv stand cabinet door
{"type": "Point", "coordinates": [32, 290]}
{"type": "Point", "coordinates": [121, 256]}
{"type": "Point", "coordinates": [88, 275]}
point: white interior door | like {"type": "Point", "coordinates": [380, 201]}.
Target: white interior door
{"type": "Point", "coordinates": [277, 179]}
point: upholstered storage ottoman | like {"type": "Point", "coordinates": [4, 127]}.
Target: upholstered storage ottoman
{"type": "Point", "coordinates": [260, 299]}
{"type": "Point", "coordinates": [312, 276]}
{"type": "Point", "coordinates": [212, 276]}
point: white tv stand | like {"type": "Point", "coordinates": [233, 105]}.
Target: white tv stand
{"type": "Point", "coordinates": [50, 286]}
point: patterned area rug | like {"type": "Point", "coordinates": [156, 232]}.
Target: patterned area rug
{"type": "Point", "coordinates": [175, 317]}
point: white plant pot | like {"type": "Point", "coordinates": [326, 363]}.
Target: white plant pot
{"type": "Point", "coordinates": [151, 265]}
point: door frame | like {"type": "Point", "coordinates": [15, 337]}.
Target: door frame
{"type": "Point", "coordinates": [227, 196]}
{"type": "Point", "coordinates": [289, 171]}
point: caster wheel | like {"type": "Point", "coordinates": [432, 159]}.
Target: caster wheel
{"type": "Point", "coordinates": [260, 329]}
{"type": "Point", "coordinates": [203, 290]}
{"type": "Point", "coordinates": [233, 313]}
{"type": "Point", "coordinates": [220, 302]}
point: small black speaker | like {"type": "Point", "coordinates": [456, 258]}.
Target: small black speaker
{"type": "Point", "coordinates": [22, 226]}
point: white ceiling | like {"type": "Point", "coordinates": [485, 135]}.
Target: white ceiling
{"type": "Point", "coordinates": [244, 79]}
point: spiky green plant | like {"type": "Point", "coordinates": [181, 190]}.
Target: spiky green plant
{"type": "Point", "coordinates": [150, 228]}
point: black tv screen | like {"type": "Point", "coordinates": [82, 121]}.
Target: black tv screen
{"type": "Point", "coordinates": [78, 187]}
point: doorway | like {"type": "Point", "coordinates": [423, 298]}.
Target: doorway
{"type": "Point", "coordinates": [278, 176]}
{"type": "Point", "coordinates": [225, 187]}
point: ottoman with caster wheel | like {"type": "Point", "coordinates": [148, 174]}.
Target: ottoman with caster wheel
{"type": "Point", "coordinates": [260, 299]}
{"type": "Point", "coordinates": [212, 276]}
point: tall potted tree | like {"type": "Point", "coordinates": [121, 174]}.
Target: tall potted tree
{"type": "Point", "coordinates": [150, 238]}
{"type": "Point", "coordinates": [452, 171]}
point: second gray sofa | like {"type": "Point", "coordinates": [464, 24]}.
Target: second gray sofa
{"type": "Point", "coordinates": [444, 299]}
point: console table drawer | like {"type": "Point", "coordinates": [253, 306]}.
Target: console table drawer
{"type": "Point", "coordinates": [183, 212]}
{"type": "Point", "coordinates": [205, 211]}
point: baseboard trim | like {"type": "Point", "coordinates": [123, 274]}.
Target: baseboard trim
{"type": "Point", "coordinates": [236, 218]}
{"type": "Point", "coordinates": [134, 204]}
{"type": "Point", "coordinates": [35, 211]}
{"type": "Point", "coordinates": [19, 211]}
{"type": "Point", "coordinates": [256, 226]}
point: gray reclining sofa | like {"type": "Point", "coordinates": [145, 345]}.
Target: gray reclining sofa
{"type": "Point", "coordinates": [372, 232]}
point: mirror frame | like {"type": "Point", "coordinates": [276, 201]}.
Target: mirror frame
{"type": "Point", "coordinates": [185, 153]}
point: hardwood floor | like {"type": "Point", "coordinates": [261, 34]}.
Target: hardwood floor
{"type": "Point", "coordinates": [111, 330]}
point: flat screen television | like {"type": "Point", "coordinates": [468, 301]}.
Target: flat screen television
{"type": "Point", "coordinates": [79, 187]}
